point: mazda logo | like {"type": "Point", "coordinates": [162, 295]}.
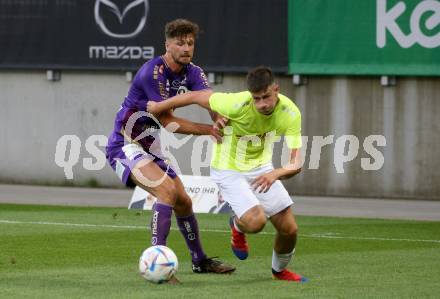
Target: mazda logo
{"type": "Point", "coordinates": [120, 15]}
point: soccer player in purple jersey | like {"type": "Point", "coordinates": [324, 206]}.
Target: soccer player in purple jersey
{"type": "Point", "coordinates": [132, 147]}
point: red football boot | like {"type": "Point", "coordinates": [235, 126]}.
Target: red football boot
{"type": "Point", "coordinates": [289, 276]}
{"type": "Point", "coordinates": [238, 241]}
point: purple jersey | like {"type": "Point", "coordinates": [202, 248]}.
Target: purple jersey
{"type": "Point", "coordinates": [154, 81]}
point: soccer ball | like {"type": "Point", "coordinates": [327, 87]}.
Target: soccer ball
{"type": "Point", "coordinates": [158, 264]}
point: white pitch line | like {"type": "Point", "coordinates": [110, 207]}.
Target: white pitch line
{"type": "Point", "coordinates": [318, 236]}
{"type": "Point", "coordinates": [369, 238]}
{"type": "Point", "coordinates": [99, 225]}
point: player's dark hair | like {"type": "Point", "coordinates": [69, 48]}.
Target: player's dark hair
{"type": "Point", "coordinates": [259, 79]}
{"type": "Point", "coordinates": [181, 27]}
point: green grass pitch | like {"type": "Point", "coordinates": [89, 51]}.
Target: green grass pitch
{"type": "Point", "coordinates": [65, 252]}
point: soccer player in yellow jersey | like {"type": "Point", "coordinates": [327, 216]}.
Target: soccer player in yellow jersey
{"type": "Point", "coordinates": [242, 164]}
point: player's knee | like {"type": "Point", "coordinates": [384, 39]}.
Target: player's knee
{"type": "Point", "coordinates": [167, 193]}
{"type": "Point", "coordinates": [171, 192]}
{"type": "Point", "coordinates": [290, 230]}
{"type": "Point", "coordinates": [254, 220]}
{"type": "Point", "coordinates": [256, 224]}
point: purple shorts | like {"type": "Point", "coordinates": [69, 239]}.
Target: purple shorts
{"type": "Point", "coordinates": [122, 159]}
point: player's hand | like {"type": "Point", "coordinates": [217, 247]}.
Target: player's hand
{"type": "Point", "coordinates": [153, 107]}
{"type": "Point", "coordinates": [264, 182]}
{"type": "Point", "coordinates": [217, 134]}
{"type": "Point", "coordinates": [221, 122]}
{"type": "Point", "coordinates": [217, 127]}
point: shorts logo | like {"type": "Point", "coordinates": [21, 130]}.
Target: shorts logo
{"type": "Point", "coordinates": [111, 6]}
{"type": "Point", "coordinates": [132, 150]}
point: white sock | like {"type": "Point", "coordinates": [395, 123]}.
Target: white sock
{"type": "Point", "coordinates": [235, 225]}
{"type": "Point", "coordinates": [281, 260]}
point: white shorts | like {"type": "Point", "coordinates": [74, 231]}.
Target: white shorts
{"type": "Point", "coordinates": [236, 190]}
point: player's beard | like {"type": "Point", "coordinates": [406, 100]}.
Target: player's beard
{"type": "Point", "coordinates": [180, 60]}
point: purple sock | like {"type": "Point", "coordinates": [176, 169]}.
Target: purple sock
{"type": "Point", "coordinates": [190, 230]}
{"type": "Point", "coordinates": [160, 223]}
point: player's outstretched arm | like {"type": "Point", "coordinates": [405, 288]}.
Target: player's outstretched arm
{"type": "Point", "coordinates": [188, 127]}
{"type": "Point", "coordinates": [200, 98]}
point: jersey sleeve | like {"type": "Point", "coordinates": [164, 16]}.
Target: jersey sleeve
{"type": "Point", "coordinates": [228, 105]}
{"type": "Point", "coordinates": [293, 131]}
{"type": "Point", "coordinates": [198, 79]}
{"type": "Point", "coordinates": [154, 84]}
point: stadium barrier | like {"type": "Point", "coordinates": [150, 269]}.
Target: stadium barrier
{"type": "Point", "coordinates": [204, 193]}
